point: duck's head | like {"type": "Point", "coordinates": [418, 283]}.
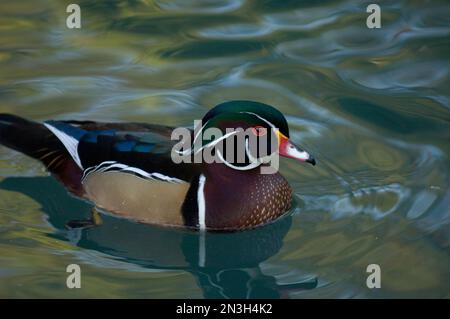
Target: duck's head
{"type": "Point", "coordinates": [258, 118]}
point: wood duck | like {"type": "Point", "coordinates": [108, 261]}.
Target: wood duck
{"type": "Point", "coordinates": [127, 168]}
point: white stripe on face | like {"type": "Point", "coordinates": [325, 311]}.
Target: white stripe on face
{"type": "Point", "coordinates": [215, 142]}
{"type": "Point", "coordinates": [261, 118]}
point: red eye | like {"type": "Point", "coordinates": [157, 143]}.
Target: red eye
{"type": "Point", "coordinates": [259, 130]}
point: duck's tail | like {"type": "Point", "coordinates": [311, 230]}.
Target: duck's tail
{"type": "Point", "coordinates": [25, 136]}
{"type": "Point", "coordinates": [37, 141]}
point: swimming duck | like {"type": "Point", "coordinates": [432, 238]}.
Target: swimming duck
{"type": "Point", "coordinates": [127, 169]}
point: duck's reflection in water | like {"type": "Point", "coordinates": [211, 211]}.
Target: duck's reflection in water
{"type": "Point", "coordinates": [225, 265]}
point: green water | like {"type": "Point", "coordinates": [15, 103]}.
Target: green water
{"type": "Point", "coordinates": [371, 105]}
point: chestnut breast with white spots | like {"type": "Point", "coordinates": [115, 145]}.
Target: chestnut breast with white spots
{"type": "Point", "coordinates": [240, 200]}
{"type": "Point", "coordinates": [272, 196]}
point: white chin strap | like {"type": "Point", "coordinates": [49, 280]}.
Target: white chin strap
{"type": "Point", "coordinates": [254, 162]}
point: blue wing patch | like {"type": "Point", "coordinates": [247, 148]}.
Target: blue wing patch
{"type": "Point", "coordinates": [124, 146]}
{"type": "Point", "coordinates": [68, 129]}
{"type": "Point", "coordinates": [92, 136]}
{"type": "Point", "coordinates": [133, 146]}
{"type": "Point", "coordinates": [144, 147]}
{"type": "Point", "coordinates": [89, 148]}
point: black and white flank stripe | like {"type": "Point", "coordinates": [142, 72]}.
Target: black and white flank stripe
{"type": "Point", "coordinates": [113, 166]}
